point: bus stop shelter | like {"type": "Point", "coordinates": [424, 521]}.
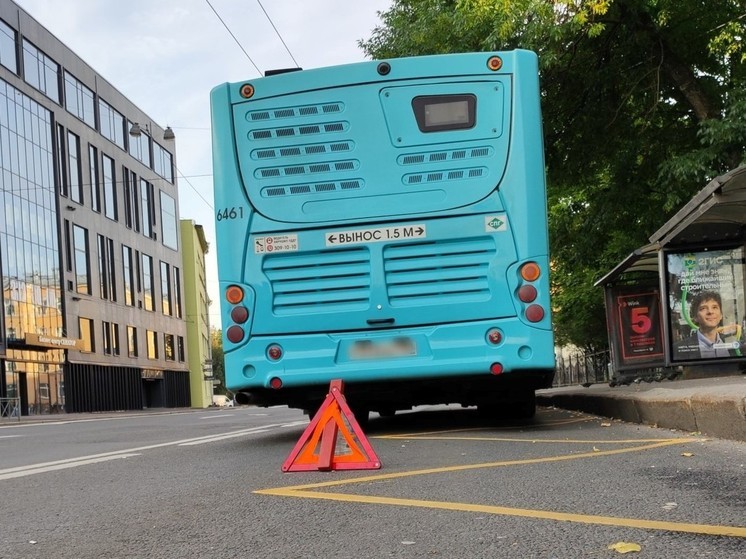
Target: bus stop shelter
{"type": "Point", "coordinates": [653, 297]}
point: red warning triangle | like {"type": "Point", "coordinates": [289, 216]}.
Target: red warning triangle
{"type": "Point", "coordinates": [319, 448]}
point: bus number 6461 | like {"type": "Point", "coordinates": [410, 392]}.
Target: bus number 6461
{"type": "Point", "coordinates": [230, 213]}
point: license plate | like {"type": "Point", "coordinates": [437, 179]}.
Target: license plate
{"type": "Point", "coordinates": [370, 349]}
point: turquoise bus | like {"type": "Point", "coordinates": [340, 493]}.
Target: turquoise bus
{"type": "Point", "coordinates": [385, 223]}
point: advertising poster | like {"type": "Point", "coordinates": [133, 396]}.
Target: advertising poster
{"type": "Point", "coordinates": [639, 328]}
{"type": "Point", "coordinates": [706, 304]}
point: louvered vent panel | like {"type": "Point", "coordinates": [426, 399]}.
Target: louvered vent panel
{"type": "Point", "coordinates": [298, 151]}
{"type": "Point", "coordinates": [311, 169]}
{"type": "Point", "coordinates": [291, 112]}
{"type": "Point", "coordinates": [325, 281]}
{"type": "Point", "coordinates": [287, 132]}
{"type": "Point", "coordinates": [331, 186]}
{"type": "Point", "coordinates": [441, 272]}
{"type": "Point", "coordinates": [444, 176]}
{"type": "Point", "coordinates": [440, 156]}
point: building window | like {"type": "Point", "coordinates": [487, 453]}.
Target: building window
{"type": "Point", "coordinates": [131, 207]}
{"type": "Point", "coordinates": [62, 160]}
{"type": "Point", "coordinates": [180, 348]}
{"type": "Point", "coordinates": [129, 276]}
{"type": "Point", "coordinates": [162, 163]}
{"type": "Point", "coordinates": [177, 292]}
{"type": "Point", "coordinates": [152, 339]}
{"type": "Point", "coordinates": [147, 208]}
{"type": "Point", "coordinates": [169, 227]}
{"type": "Point", "coordinates": [148, 285]}
{"type": "Point", "coordinates": [74, 173]}
{"type": "Point", "coordinates": [82, 265]}
{"type": "Point", "coordinates": [139, 147]}
{"type": "Point", "coordinates": [110, 187]}
{"type": "Point", "coordinates": [111, 338]}
{"type": "Point", "coordinates": [93, 178]}
{"type": "Point", "coordinates": [106, 268]}
{"type": "Point", "coordinates": [8, 47]}
{"type": "Point", "coordinates": [165, 288]}
{"type": "Point", "coordinates": [41, 72]}
{"type": "Point", "coordinates": [79, 100]}
{"type": "Point", "coordinates": [44, 391]}
{"type": "Point", "coordinates": [85, 326]}
{"type": "Point", "coordinates": [131, 341]}
{"type": "Point", "coordinates": [112, 123]}
{"type": "Point", "coordinates": [169, 351]}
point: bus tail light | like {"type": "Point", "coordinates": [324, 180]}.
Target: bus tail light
{"type": "Point", "coordinates": [530, 271]}
{"type": "Point", "coordinates": [496, 369]}
{"type": "Point", "coordinates": [234, 294]}
{"type": "Point", "coordinates": [275, 383]}
{"type": "Point", "coordinates": [527, 293]}
{"type": "Point", "coordinates": [534, 313]}
{"type": "Point", "coordinates": [274, 352]}
{"type": "Point", "coordinates": [234, 334]}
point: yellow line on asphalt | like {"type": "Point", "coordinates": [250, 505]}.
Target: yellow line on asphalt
{"type": "Point", "coordinates": [517, 440]}
{"type": "Point", "coordinates": [308, 491]}
{"type": "Point", "coordinates": [501, 427]}
{"type": "Point", "coordinates": [708, 529]}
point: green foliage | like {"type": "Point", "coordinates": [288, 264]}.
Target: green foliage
{"type": "Point", "coordinates": [643, 104]}
{"type": "Point", "coordinates": [218, 360]}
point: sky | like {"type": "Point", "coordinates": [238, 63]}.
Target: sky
{"type": "Point", "coordinates": [166, 56]}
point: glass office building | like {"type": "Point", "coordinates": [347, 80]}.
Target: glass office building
{"type": "Point", "coordinates": [90, 261]}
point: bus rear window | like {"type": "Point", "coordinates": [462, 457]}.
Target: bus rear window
{"type": "Point", "coordinates": [445, 112]}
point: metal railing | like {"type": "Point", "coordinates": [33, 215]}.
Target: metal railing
{"type": "Point", "coordinates": [10, 409]}
{"type": "Point", "coordinates": [580, 367]}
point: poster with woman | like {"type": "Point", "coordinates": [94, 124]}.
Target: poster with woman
{"type": "Point", "coordinates": [706, 304]}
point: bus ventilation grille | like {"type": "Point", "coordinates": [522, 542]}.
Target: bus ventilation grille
{"type": "Point", "coordinates": [440, 156]}
{"type": "Point", "coordinates": [312, 188]}
{"type": "Point", "coordinates": [310, 169]}
{"type": "Point", "coordinates": [446, 175]}
{"type": "Point", "coordinates": [327, 281]}
{"type": "Point", "coordinates": [293, 112]}
{"type": "Point", "coordinates": [299, 131]}
{"type": "Point", "coordinates": [299, 151]}
{"type": "Point", "coordinates": [440, 272]}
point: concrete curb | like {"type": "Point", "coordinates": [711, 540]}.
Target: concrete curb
{"type": "Point", "coordinates": [713, 407]}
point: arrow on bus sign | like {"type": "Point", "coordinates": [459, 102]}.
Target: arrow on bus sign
{"type": "Point", "coordinates": [377, 235]}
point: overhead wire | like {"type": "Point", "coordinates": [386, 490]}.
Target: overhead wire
{"type": "Point", "coordinates": [278, 33]}
{"type": "Point", "coordinates": [234, 37]}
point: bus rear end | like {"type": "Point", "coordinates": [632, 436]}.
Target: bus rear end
{"type": "Point", "coordinates": [384, 223]}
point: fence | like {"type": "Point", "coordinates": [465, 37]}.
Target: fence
{"type": "Point", "coordinates": [10, 409]}
{"type": "Point", "coordinates": [580, 367]}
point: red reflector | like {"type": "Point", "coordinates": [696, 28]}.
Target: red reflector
{"type": "Point", "coordinates": [496, 369]}
{"type": "Point", "coordinates": [527, 293]}
{"type": "Point", "coordinates": [534, 313]}
{"type": "Point", "coordinates": [234, 294]}
{"type": "Point", "coordinates": [239, 315]}
{"type": "Point", "coordinates": [274, 352]}
{"type": "Point", "coordinates": [494, 336]}
{"type": "Point", "coordinates": [234, 334]}
{"type": "Point", "coordinates": [276, 383]}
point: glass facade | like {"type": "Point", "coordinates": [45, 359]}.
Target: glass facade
{"type": "Point", "coordinates": [41, 71]}
{"type": "Point", "coordinates": [8, 47]}
{"type": "Point", "coordinates": [79, 100]}
{"type": "Point", "coordinates": [29, 250]}
{"type": "Point", "coordinates": [170, 230]}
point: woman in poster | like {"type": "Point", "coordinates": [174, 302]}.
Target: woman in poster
{"type": "Point", "coordinates": [708, 340]}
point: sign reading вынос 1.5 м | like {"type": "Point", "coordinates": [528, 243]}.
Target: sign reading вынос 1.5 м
{"type": "Point", "coordinates": [706, 306]}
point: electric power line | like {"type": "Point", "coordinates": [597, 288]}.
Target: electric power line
{"type": "Point", "coordinates": [278, 33]}
{"type": "Point", "coordinates": [234, 37]}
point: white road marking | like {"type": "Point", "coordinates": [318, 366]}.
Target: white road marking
{"type": "Point", "coordinates": [31, 469]}
{"type": "Point", "coordinates": [8, 436]}
{"type": "Point", "coordinates": [216, 416]}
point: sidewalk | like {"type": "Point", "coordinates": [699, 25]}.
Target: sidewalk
{"type": "Point", "coordinates": [713, 406]}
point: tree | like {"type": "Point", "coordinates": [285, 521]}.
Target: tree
{"type": "Point", "coordinates": [218, 360]}
{"type": "Point", "coordinates": [643, 103]}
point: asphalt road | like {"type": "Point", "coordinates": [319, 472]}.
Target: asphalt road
{"type": "Point", "coordinates": [209, 484]}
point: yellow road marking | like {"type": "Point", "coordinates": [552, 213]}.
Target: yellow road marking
{"type": "Point", "coordinates": [310, 491]}
{"type": "Point", "coordinates": [517, 440]}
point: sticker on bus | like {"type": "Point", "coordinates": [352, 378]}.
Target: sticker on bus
{"type": "Point", "coordinates": [275, 243]}
{"type": "Point", "coordinates": [380, 234]}
{"type": "Point", "coordinates": [494, 223]}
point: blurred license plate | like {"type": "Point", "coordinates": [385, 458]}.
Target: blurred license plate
{"type": "Point", "coordinates": [369, 349]}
